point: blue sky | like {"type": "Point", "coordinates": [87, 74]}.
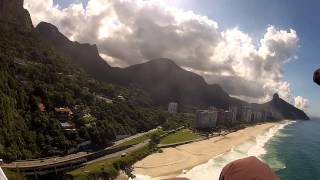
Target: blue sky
{"type": "Point", "coordinates": [254, 16]}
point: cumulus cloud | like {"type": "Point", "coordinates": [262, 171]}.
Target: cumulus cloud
{"type": "Point", "coordinates": [128, 32]}
{"type": "Point", "coordinates": [301, 102]}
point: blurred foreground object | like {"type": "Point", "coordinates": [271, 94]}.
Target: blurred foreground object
{"type": "Point", "coordinates": [2, 175]}
{"type": "Point", "coordinates": [316, 76]}
{"type": "Point", "coordinates": [247, 169]}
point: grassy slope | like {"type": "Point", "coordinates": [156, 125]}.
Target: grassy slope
{"type": "Point", "coordinates": [13, 175]}
{"type": "Point", "coordinates": [180, 136]}
{"type": "Point", "coordinates": [103, 165]}
{"type": "Point", "coordinates": [140, 139]}
{"type": "Point", "coordinates": [109, 166]}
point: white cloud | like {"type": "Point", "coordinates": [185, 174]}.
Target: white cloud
{"type": "Point", "coordinates": [301, 102]}
{"type": "Point", "coordinates": [132, 31]}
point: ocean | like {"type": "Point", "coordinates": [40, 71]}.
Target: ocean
{"type": "Point", "coordinates": [291, 149]}
{"type": "Point", "coordinates": [294, 152]}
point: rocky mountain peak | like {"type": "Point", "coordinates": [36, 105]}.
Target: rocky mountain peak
{"type": "Point", "coordinates": [276, 96]}
{"type": "Point", "coordinates": [12, 12]}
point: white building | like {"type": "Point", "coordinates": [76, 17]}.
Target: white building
{"type": "Point", "coordinates": [173, 108]}
{"type": "Point", "coordinates": [206, 119]}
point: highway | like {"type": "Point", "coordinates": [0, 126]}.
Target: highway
{"type": "Point", "coordinates": [46, 162]}
{"type": "Point", "coordinates": [135, 147]}
{"type": "Point", "coordinates": [56, 161]}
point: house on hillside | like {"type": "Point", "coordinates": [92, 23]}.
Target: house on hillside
{"type": "Point", "coordinates": [63, 114]}
{"type": "Point", "coordinates": [104, 98]}
{"type": "Point", "coordinates": [67, 126]}
{"type": "Point", "coordinates": [120, 97]}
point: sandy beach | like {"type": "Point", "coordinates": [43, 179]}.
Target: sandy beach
{"type": "Point", "coordinates": [174, 160]}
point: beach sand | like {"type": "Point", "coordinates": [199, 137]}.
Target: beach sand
{"type": "Point", "coordinates": [173, 161]}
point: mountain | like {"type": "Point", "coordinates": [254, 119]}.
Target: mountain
{"type": "Point", "coordinates": [38, 85]}
{"type": "Point", "coordinates": [162, 79]}
{"type": "Point", "coordinates": [166, 82]}
{"type": "Point", "coordinates": [284, 110]}
{"type": "Point", "coordinates": [85, 55]}
{"type": "Point", "coordinates": [12, 11]}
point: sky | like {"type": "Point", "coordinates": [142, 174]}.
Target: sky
{"type": "Point", "coordinates": [251, 48]}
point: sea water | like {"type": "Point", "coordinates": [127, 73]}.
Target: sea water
{"type": "Point", "coordinates": [294, 152]}
{"type": "Point", "coordinates": [291, 149]}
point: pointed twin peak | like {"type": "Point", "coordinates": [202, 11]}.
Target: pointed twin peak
{"type": "Point", "coordinates": [276, 96]}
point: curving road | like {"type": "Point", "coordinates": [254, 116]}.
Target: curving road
{"type": "Point", "coordinates": [55, 161]}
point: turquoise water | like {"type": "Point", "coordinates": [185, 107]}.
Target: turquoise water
{"type": "Point", "coordinates": [294, 152]}
{"type": "Point", "coordinates": [291, 149]}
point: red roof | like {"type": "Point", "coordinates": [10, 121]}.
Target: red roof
{"type": "Point", "coordinates": [41, 107]}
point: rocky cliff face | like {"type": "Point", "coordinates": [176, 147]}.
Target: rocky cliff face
{"type": "Point", "coordinates": [84, 55]}
{"type": "Point", "coordinates": [286, 110]}
{"type": "Point", "coordinates": [162, 79]}
{"type": "Point", "coordinates": [283, 110]}
{"type": "Point", "coordinates": [165, 82]}
{"type": "Point", "coordinates": [12, 12]}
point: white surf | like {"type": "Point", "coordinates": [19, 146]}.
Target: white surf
{"type": "Point", "coordinates": [252, 147]}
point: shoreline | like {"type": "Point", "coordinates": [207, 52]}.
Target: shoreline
{"type": "Point", "coordinates": [173, 161]}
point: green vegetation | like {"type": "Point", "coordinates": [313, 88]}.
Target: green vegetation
{"type": "Point", "coordinates": [33, 74]}
{"type": "Point", "coordinates": [180, 136]}
{"type": "Point", "coordinates": [181, 119]}
{"type": "Point", "coordinates": [13, 175]}
{"type": "Point", "coordinates": [96, 168]}
{"type": "Point", "coordinates": [110, 167]}
{"type": "Point", "coordinates": [140, 139]}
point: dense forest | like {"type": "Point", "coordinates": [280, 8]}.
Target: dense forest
{"type": "Point", "coordinates": [34, 80]}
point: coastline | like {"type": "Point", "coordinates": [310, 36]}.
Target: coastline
{"type": "Point", "coordinates": [173, 161]}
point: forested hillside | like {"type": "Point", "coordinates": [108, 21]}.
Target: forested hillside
{"type": "Point", "coordinates": [50, 102]}
{"type": "Point", "coordinates": [34, 80]}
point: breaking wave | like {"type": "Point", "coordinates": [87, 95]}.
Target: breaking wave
{"type": "Point", "coordinates": [252, 147]}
